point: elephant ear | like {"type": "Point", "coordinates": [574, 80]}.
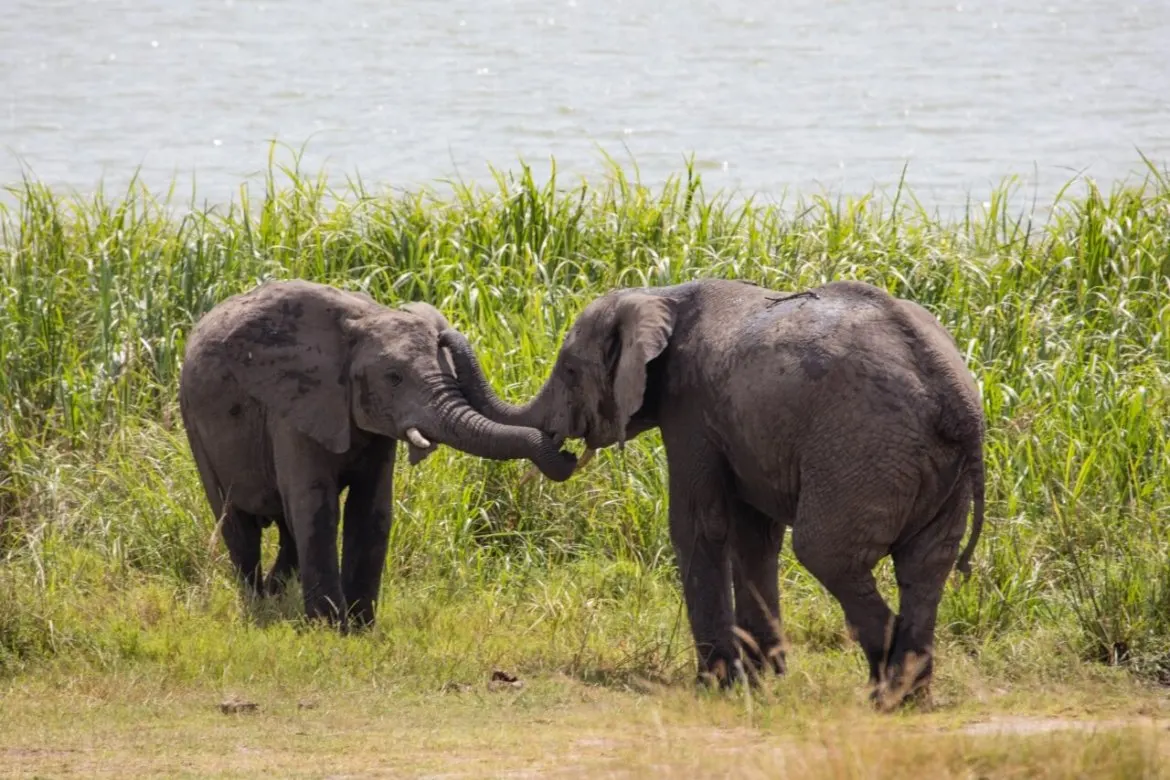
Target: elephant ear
{"type": "Point", "coordinates": [644, 325]}
{"type": "Point", "coordinates": [288, 351]}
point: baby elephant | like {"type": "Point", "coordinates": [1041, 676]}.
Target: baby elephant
{"type": "Point", "coordinates": [294, 391]}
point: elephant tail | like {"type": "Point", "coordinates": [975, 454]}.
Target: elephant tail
{"type": "Point", "coordinates": [976, 475]}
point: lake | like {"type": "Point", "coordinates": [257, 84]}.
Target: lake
{"type": "Point", "coordinates": [768, 98]}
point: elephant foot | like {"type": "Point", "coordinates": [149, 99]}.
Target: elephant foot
{"type": "Point", "coordinates": [775, 661]}
{"type": "Point", "coordinates": [276, 583]}
{"type": "Point", "coordinates": [326, 611]}
{"type": "Point", "coordinates": [723, 673]}
{"type": "Point", "coordinates": [905, 683]}
{"type": "Point", "coordinates": [761, 656]}
{"type": "Point", "coordinates": [360, 618]}
{"type": "Point", "coordinates": [919, 698]}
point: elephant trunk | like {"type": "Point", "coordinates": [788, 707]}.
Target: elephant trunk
{"type": "Point", "coordinates": [478, 391]}
{"type": "Point", "coordinates": [462, 427]}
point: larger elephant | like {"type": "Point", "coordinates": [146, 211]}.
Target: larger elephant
{"type": "Point", "coordinates": [842, 413]}
{"type": "Point", "coordinates": [295, 391]}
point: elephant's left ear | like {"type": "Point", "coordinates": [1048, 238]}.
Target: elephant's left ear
{"type": "Point", "coordinates": [645, 323]}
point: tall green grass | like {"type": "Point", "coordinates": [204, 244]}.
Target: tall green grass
{"type": "Point", "coordinates": [105, 535]}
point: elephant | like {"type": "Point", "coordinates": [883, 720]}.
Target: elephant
{"type": "Point", "coordinates": [294, 391]}
{"type": "Point", "coordinates": [841, 412]}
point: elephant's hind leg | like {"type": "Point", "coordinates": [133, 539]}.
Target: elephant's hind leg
{"type": "Point", "coordinates": [241, 535]}
{"type": "Point", "coordinates": [922, 565]}
{"type": "Point", "coordinates": [240, 531]}
{"type": "Point", "coordinates": [755, 552]}
{"type": "Point", "coordinates": [840, 544]}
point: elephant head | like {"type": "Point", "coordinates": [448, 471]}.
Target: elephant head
{"type": "Point", "coordinates": [598, 382]}
{"type": "Point", "coordinates": [327, 361]}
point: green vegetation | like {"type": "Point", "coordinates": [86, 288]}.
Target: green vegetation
{"type": "Point", "coordinates": [111, 577]}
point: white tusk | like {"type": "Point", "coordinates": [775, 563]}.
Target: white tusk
{"type": "Point", "coordinates": [530, 475]}
{"type": "Point", "coordinates": [417, 439]}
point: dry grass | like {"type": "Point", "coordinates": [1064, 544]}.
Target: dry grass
{"type": "Point", "coordinates": [559, 727]}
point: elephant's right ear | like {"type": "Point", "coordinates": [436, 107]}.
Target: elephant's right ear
{"type": "Point", "coordinates": [644, 325]}
{"type": "Point", "coordinates": [291, 357]}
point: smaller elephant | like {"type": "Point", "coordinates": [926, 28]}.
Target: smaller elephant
{"type": "Point", "coordinates": [295, 391]}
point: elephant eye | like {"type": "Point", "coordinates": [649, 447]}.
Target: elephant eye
{"type": "Point", "coordinates": [394, 377]}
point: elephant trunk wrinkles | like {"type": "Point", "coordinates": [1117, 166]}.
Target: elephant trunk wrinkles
{"type": "Point", "coordinates": [467, 430]}
{"type": "Point", "coordinates": [478, 391]}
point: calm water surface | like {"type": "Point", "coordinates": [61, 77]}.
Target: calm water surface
{"type": "Point", "coordinates": [768, 97]}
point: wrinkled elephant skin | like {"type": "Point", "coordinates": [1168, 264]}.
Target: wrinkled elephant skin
{"type": "Point", "coordinates": [840, 412]}
{"type": "Point", "coordinates": [295, 391]}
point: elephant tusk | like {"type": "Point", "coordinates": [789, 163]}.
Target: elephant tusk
{"type": "Point", "coordinates": [534, 472]}
{"type": "Point", "coordinates": [417, 439]}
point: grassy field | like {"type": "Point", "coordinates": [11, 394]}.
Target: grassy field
{"type": "Point", "coordinates": [121, 631]}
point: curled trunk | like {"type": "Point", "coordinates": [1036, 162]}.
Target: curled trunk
{"type": "Point", "coordinates": [462, 427]}
{"type": "Point", "coordinates": [478, 391]}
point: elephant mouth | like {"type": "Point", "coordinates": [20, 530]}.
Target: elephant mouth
{"type": "Point", "coordinates": [586, 431]}
{"type": "Point", "coordinates": [586, 435]}
{"type": "Point", "coordinates": [592, 440]}
{"type": "Point", "coordinates": [418, 445]}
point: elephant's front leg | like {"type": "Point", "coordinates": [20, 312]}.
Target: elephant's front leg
{"type": "Point", "coordinates": [755, 553]}
{"type": "Point", "coordinates": [366, 531]}
{"type": "Point", "coordinates": [309, 492]}
{"type": "Point", "coordinates": [698, 531]}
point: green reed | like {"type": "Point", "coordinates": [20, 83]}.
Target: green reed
{"type": "Point", "coordinates": [1065, 321]}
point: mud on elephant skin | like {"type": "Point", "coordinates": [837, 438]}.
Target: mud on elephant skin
{"type": "Point", "coordinates": [840, 412]}
{"type": "Point", "coordinates": [294, 391]}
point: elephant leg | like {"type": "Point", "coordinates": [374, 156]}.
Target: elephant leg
{"type": "Point", "coordinates": [837, 544]}
{"type": "Point", "coordinates": [310, 497]}
{"type": "Point", "coordinates": [755, 552]}
{"type": "Point", "coordinates": [239, 530]}
{"type": "Point", "coordinates": [366, 532]}
{"type": "Point", "coordinates": [922, 564]}
{"type": "Point", "coordinates": [698, 514]}
{"type": "Point", "coordinates": [705, 569]}
{"type": "Point", "coordinates": [285, 566]}
{"type": "Point", "coordinates": [241, 535]}
{"type": "Point", "coordinates": [312, 510]}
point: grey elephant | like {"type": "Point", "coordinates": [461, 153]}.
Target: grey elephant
{"type": "Point", "coordinates": [843, 413]}
{"type": "Point", "coordinates": [294, 391]}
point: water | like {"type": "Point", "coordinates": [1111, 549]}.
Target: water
{"type": "Point", "coordinates": [768, 97]}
